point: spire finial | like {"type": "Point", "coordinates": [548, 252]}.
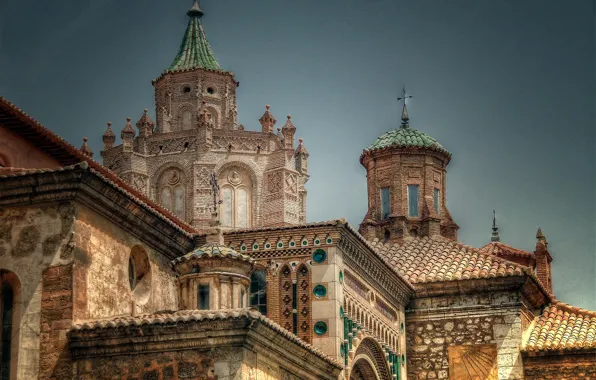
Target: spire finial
{"type": "Point", "coordinates": [540, 235]}
{"type": "Point", "coordinates": [195, 10]}
{"type": "Point", "coordinates": [495, 236]}
{"type": "Point", "coordinates": [405, 119]}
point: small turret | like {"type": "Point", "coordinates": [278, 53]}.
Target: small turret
{"type": "Point", "coordinates": [543, 261]}
{"type": "Point", "coordinates": [301, 155]}
{"type": "Point", "coordinates": [85, 148]}
{"type": "Point", "coordinates": [288, 130]}
{"type": "Point", "coordinates": [145, 125]}
{"type": "Point", "coordinates": [127, 135]}
{"type": "Point", "coordinates": [267, 121]}
{"type": "Point", "coordinates": [108, 138]}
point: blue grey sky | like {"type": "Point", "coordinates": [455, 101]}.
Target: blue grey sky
{"type": "Point", "coordinates": [507, 86]}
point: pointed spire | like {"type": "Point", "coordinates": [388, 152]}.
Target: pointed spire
{"type": "Point", "coordinates": [145, 124]}
{"type": "Point", "coordinates": [495, 236]}
{"type": "Point", "coordinates": [127, 131]}
{"type": "Point", "coordinates": [288, 126]}
{"type": "Point", "coordinates": [288, 130]}
{"type": "Point", "coordinates": [301, 148]}
{"type": "Point", "coordinates": [267, 120]}
{"type": "Point", "coordinates": [540, 236]}
{"type": "Point", "coordinates": [195, 51]}
{"type": "Point", "coordinates": [85, 148]}
{"type": "Point", "coordinates": [405, 119]}
{"type": "Point", "coordinates": [108, 137]}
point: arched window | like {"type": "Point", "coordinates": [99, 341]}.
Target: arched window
{"type": "Point", "coordinates": [236, 188]}
{"type": "Point", "coordinates": [186, 119]}
{"type": "Point", "coordinates": [258, 291]}
{"type": "Point", "coordinates": [172, 192]}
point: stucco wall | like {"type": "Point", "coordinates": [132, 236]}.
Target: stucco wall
{"type": "Point", "coordinates": [101, 271]}
{"type": "Point", "coordinates": [21, 153]}
{"type": "Point", "coordinates": [32, 240]}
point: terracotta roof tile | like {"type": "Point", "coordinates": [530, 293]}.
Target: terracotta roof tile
{"type": "Point", "coordinates": [503, 250]}
{"type": "Point", "coordinates": [562, 327]}
{"type": "Point", "coordinates": [187, 316]}
{"type": "Point", "coordinates": [423, 260]}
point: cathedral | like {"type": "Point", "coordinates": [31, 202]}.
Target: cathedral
{"type": "Point", "coordinates": [186, 254]}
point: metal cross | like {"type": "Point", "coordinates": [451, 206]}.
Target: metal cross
{"type": "Point", "coordinates": [215, 189]}
{"type": "Point", "coordinates": [404, 97]}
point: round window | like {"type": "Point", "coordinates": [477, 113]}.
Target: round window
{"type": "Point", "coordinates": [186, 89]}
{"type": "Point", "coordinates": [320, 328]}
{"type": "Point", "coordinates": [319, 255]}
{"type": "Point", "coordinates": [210, 90]}
{"type": "Point", "coordinates": [320, 291]}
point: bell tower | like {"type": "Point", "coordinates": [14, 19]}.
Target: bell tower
{"type": "Point", "coordinates": [193, 81]}
{"type": "Point", "coordinates": [406, 174]}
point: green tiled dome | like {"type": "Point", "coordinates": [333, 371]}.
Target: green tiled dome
{"type": "Point", "coordinates": [406, 137]}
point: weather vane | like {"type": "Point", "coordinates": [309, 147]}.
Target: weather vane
{"type": "Point", "coordinates": [215, 189]}
{"type": "Point", "coordinates": [404, 112]}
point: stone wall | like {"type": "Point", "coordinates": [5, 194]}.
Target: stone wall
{"type": "Point", "coordinates": [101, 271]}
{"type": "Point", "coordinates": [478, 322]}
{"type": "Point", "coordinates": [35, 244]}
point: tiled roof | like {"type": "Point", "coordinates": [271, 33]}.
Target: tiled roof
{"type": "Point", "coordinates": [424, 260]}
{"type": "Point", "coordinates": [563, 327]}
{"type": "Point", "coordinates": [18, 122]}
{"type": "Point", "coordinates": [195, 51]}
{"type": "Point", "coordinates": [188, 316]}
{"type": "Point", "coordinates": [212, 250]}
{"type": "Point", "coordinates": [503, 250]}
{"type": "Point", "coordinates": [406, 137]}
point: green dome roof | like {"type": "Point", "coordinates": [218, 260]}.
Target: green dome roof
{"type": "Point", "coordinates": [406, 137]}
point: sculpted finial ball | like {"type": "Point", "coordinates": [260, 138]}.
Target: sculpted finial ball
{"type": "Point", "coordinates": [128, 119]}
{"type": "Point", "coordinates": [300, 140]}
{"type": "Point", "coordinates": [289, 117]}
{"type": "Point", "coordinates": [267, 106]}
{"type": "Point", "coordinates": [109, 123]}
{"type": "Point", "coordinates": [145, 110]}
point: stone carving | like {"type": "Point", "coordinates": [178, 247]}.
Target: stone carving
{"type": "Point", "coordinates": [234, 178]}
{"type": "Point", "coordinates": [139, 182]}
{"type": "Point", "coordinates": [274, 182]}
{"type": "Point", "coordinates": [291, 183]}
{"type": "Point", "coordinates": [173, 177]}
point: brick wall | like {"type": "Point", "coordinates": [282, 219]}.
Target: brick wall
{"type": "Point", "coordinates": [55, 321]}
{"type": "Point", "coordinates": [190, 365]}
{"type": "Point", "coordinates": [559, 366]}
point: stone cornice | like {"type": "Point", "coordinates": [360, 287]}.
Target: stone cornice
{"type": "Point", "coordinates": [368, 265]}
{"type": "Point", "coordinates": [468, 286]}
{"type": "Point", "coordinates": [81, 184]}
{"type": "Point", "coordinates": [198, 330]}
